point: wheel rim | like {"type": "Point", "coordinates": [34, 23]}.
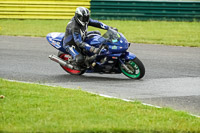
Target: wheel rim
{"type": "Point", "coordinates": [133, 67]}
{"type": "Point", "coordinates": [66, 57]}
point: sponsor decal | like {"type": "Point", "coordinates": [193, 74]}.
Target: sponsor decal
{"type": "Point", "coordinates": [56, 44]}
{"type": "Point", "coordinates": [114, 47]}
{"type": "Point", "coordinates": [114, 41]}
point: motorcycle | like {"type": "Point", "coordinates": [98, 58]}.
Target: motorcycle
{"type": "Point", "coordinates": [112, 58]}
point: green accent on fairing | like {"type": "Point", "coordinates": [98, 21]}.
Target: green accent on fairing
{"type": "Point", "coordinates": [114, 47]}
{"type": "Point", "coordinates": [136, 68]}
{"type": "Point", "coordinates": [118, 35]}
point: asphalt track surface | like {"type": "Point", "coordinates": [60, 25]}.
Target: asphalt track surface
{"type": "Point", "coordinates": [172, 73]}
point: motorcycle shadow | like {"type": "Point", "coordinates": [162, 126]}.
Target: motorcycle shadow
{"type": "Point", "coordinates": [90, 78]}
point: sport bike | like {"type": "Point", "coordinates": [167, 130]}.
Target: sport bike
{"type": "Point", "coordinates": [112, 58]}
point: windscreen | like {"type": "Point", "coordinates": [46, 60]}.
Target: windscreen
{"type": "Point", "coordinates": [112, 35]}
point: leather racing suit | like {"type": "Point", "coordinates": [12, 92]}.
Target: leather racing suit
{"type": "Point", "coordinates": [75, 35]}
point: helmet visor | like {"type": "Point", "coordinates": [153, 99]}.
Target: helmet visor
{"type": "Point", "coordinates": [84, 18]}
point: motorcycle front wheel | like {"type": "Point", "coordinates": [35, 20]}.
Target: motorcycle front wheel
{"type": "Point", "coordinates": [136, 67]}
{"type": "Point", "coordinates": [65, 57]}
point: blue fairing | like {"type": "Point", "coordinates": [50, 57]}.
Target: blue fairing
{"type": "Point", "coordinates": [129, 56]}
{"type": "Point", "coordinates": [56, 40]}
{"type": "Point", "coordinates": [119, 45]}
{"type": "Point", "coordinates": [94, 41]}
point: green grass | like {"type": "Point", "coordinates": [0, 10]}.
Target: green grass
{"type": "Point", "coordinates": [39, 108]}
{"type": "Point", "coordinates": [150, 32]}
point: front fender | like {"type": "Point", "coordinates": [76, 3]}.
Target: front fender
{"type": "Point", "coordinates": [129, 56]}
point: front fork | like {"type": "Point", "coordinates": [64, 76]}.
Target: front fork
{"type": "Point", "coordinates": [128, 56]}
{"type": "Point", "coordinates": [125, 67]}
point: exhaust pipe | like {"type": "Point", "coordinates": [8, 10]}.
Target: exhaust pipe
{"type": "Point", "coordinates": [60, 61]}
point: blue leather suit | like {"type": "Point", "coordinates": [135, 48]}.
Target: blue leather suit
{"type": "Point", "coordinates": [75, 35]}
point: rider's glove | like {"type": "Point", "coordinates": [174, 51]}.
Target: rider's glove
{"type": "Point", "coordinates": [113, 28]}
{"type": "Point", "coordinates": [89, 48]}
{"type": "Point", "coordinates": [94, 50]}
{"type": "Point", "coordinates": [104, 50]}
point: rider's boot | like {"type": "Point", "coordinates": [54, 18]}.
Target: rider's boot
{"type": "Point", "coordinates": [77, 58]}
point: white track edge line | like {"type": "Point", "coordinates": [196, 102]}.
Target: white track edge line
{"type": "Point", "coordinates": [103, 95]}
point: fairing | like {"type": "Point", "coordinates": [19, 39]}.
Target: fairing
{"type": "Point", "coordinates": [56, 40]}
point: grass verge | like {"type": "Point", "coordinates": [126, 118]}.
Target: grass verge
{"type": "Point", "coordinates": [152, 32]}
{"type": "Point", "coordinates": [39, 108]}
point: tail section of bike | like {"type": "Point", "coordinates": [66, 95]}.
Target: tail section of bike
{"type": "Point", "coordinates": [56, 40]}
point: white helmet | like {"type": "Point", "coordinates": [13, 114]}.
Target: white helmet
{"type": "Point", "coordinates": [82, 15]}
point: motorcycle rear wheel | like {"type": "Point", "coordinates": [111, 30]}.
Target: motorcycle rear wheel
{"type": "Point", "coordinates": [65, 57]}
{"type": "Point", "coordinates": [137, 68]}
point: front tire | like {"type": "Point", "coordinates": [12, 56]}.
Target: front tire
{"type": "Point", "coordinates": [65, 57]}
{"type": "Point", "coordinates": [136, 67]}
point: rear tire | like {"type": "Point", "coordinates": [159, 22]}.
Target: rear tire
{"type": "Point", "coordinates": [136, 66]}
{"type": "Point", "coordinates": [65, 57]}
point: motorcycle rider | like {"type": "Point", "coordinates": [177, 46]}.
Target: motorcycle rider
{"type": "Point", "coordinates": [76, 32]}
